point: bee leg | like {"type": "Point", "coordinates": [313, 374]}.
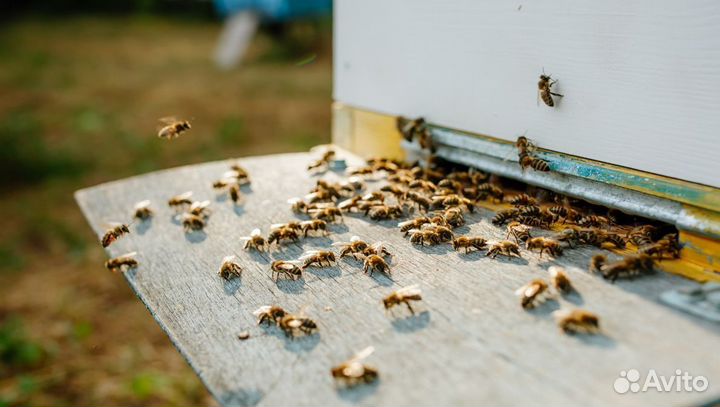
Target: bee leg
{"type": "Point", "coordinates": [556, 94]}
{"type": "Point", "coordinates": [410, 308]}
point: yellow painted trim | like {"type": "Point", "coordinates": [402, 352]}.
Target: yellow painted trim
{"type": "Point", "coordinates": [366, 133]}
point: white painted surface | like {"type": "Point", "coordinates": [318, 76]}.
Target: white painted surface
{"type": "Point", "coordinates": [641, 78]}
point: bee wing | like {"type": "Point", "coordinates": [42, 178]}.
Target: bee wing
{"type": "Point", "coordinates": [262, 310]}
{"type": "Point", "coordinates": [277, 226]}
{"type": "Point", "coordinates": [316, 210]}
{"type": "Point", "coordinates": [130, 254]}
{"type": "Point", "coordinates": [311, 196]}
{"type": "Point", "coordinates": [229, 258]}
{"type": "Point", "coordinates": [354, 369]}
{"type": "Point", "coordinates": [321, 147]}
{"type": "Point", "coordinates": [378, 247]}
{"type": "Point", "coordinates": [308, 254]}
{"type": "Point", "coordinates": [142, 204]}
{"type": "Point", "coordinates": [168, 120]}
{"type": "Point", "coordinates": [521, 291]}
{"type": "Point", "coordinates": [405, 223]}
{"type": "Point", "coordinates": [346, 203]}
{"type": "Point", "coordinates": [561, 313]}
{"type": "Point", "coordinates": [362, 354]}
{"type": "Point", "coordinates": [111, 224]}
{"type": "Point", "coordinates": [354, 238]}
{"type": "Point", "coordinates": [289, 265]}
{"type": "Point", "coordinates": [231, 174]}
{"type": "Point", "coordinates": [255, 232]}
{"type": "Point", "coordinates": [409, 290]}
{"type": "Point", "coordinates": [336, 244]}
{"type": "Point", "coordinates": [199, 205]}
{"type": "Point", "coordinates": [554, 271]}
{"type": "Point", "coordinates": [294, 200]}
{"type": "Point", "coordinates": [184, 195]}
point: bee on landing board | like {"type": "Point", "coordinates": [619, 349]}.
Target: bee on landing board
{"type": "Point", "coordinates": [319, 258]}
{"type": "Point", "coordinates": [172, 128]}
{"type": "Point", "coordinates": [200, 209]}
{"type": "Point", "coordinates": [468, 242]}
{"type": "Point", "coordinates": [353, 372]}
{"type": "Point", "coordinates": [315, 225]}
{"type": "Point", "coordinates": [377, 248]}
{"type": "Point", "coordinates": [122, 263]}
{"type": "Point", "coordinates": [417, 223]}
{"type": "Point", "coordinates": [294, 324]}
{"type": "Point", "coordinates": [560, 279]}
{"type": "Point", "coordinates": [544, 244]}
{"type": "Point", "coordinates": [181, 200]}
{"type": "Point", "coordinates": [352, 248]}
{"type": "Point", "coordinates": [577, 321]}
{"type": "Point", "coordinates": [403, 296]}
{"type": "Point", "coordinates": [143, 210]}
{"type": "Point", "coordinates": [117, 231]}
{"type": "Point", "coordinates": [545, 90]}
{"type": "Point", "coordinates": [270, 314]}
{"type": "Point", "coordinates": [229, 268]}
{"type": "Point", "coordinates": [517, 230]}
{"type": "Point", "coordinates": [277, 235]}
{"type": "Point", "coordinates": [629, 266]}
{"type": "Point", "coordinates": [505, 248]}
{"type": "Point", "coordinates": [533, 293]}
{"type": "Point", "coordinates": [254, 241]}
{"type": "Point", "coordinates": [375, 262]}
{"type": "Point", "coordinates": [287, 268]}
{"type": "Point", "coordinates": [192, 223]}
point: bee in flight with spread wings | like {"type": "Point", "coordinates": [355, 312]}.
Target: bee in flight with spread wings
{"type": "Point", "coordinates": [172, 127]}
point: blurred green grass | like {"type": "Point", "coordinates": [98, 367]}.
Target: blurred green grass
{"type": "Point", "coordinates": [81, 99]}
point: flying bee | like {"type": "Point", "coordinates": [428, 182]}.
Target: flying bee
{"type": "Point", "coordinates": [315, 225]}
{"type": "Point", "coordinates": [517, 230]}
{"type": "Point", "coordinates": [522, 200]}
{"type": "Point", "coordinates": [544, 244]}
{"type": "Point", "coordinates": [375, 262]}
{"type": "Point", "coordinates": [353, 372]}
{"type": "Point", "coordinates": [535, 163]}
{"type": "Point", "coordinates": [200, 209]}
{"type": "Point", "coordinates": [629, 266]}
{"type": "Point", "coordinates": [287, 268]}
{"type": "Point", "coordinates": [403, 296]}
{"type": "Point", "coordinates": [505, 248]}
{"type": "Point", "coordinates": [229, 268]}
{"type": "Point", "coordinates": [117, 231]}
{"type": "Point", "coordinates": [122, 263]}
{"type": "Point", "coordinates": [192, 223]}
{"type": "Point", "coordinates": [577, 321]}
{"type": "Point", "coordinates": [330, 214]}
{"type": "Point", "coordinates": [560, 279]}
{"type": "Point", "coordinates": [181, 200]}
{"type": "Point", "coordinates": [468, 242]}
{"type": "Point", "coordinates": [382, 212]}
{"type": "Point", "coordinates": [421, 201]}
{"type": "Point", "coordinates": [504, 215]}
{"type": "Point", "coordinates": [423, 237]}
{"type": "Point", "coordinates": [533, 293]}
{"type": "Point", "coordinates": [453, 217]}
{"type": "Point", "coordinates": [544, 90]}
{"type": "Point", "coordinates": [292, 324]}
{"type": "Point", "coordinates": [254, 241]}
{"type": "Point", "coordinates": [408, 225]}
{"type": "Point", "coordinates": [282, 233]}
{"type": "Point", "coordinates": [172, 128]}
{"type": "Point", "coordinates": [143, 210]}
{"type": "Point", "coordinates": [596, 262]}
{"type": "Point", "coordinates": [271, 314]}
{"type": "Point", "coordinates": [318, 258]}
{"type": "Point", "coordinates": [354, 247]}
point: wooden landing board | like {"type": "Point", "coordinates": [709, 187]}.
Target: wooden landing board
{"type": "Point", "coordinates": [471, 344]}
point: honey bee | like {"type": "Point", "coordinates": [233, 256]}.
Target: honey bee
{"type": "Point", "coordinates": [534, 163]}
{"type": "Point", "coordinates": [629, 266]}
{"type": "Point", "coordinates": [530, 210]}
{"type": "Point", "coordinates": [403, 296]}
{"type": "Point", "coordinates": [593, 221]}
{"type": "Point", "coordinates": [229, 268]}
{"type": "Point", "coordinates": [323, 162]}
{"type": "Point", "coordinates": [317, 257]}
{"type": "Point", "coordinates": [533, 221]}
{"type": "Point", "coordinates": [235, 194]}
{"type": "Point", "coordinates": [544, 244]}
{"type": "Point", "coordinates": [505, 248]}
{"type": "Point", "coordinates": [287, 268]}
{"type": "Point", "coordinates": [533, 293]}
{"type": "Point", "coordinates": [642, 235]}
{"type": "Point", "coordinates": [416, 128]}
{"type": "Point", "coordinates": [396, 191]}
{"type": "Point", "coordinates": [292, 324]}
{"type": "Point", "coordinates": [596, 262]}
{"type": "Point", "coordinates": [423, 237]}
{"type": "Point", "coordinates": [298, 205]}
{"type": "Point", "coordinates": [577, 321]}
{"type": "Point", "coordinates": [417, 223]}
{"type": "Point", "coordinates": [283, 233]}
{"type": "Point", "coordinates": [453, 217]}
{"type": "Point", "coordinates": [143, 210]}
{"type": "Point", "coordinates": [615, 239]}
{"type": "Point", "coordinates": [489, 190]}
{"type": "Point", "coordinates": [524, 146]}
{"type": "Point", "coordinates": [122, 263]}
{"type": "Point", "coordinates": [315, 225]}
{"type": "Point", "coordinates": [544, 90]}
{"type": "Point", "coordinates": [254, 241]}
{"type": "Point", "coordinates": [377, 248]}
{"type": "Point", "coordinates": [117, 231]}
{"type": "Point", "coordinates": [375, 263]}
{"type": "Point", "coordinates": [200, 209]}
{"type": "Point", "coordinates": [179, 201]}
{"type": "Point", "coordinates": [236, 176]}
{"type": "Point", "coordinates": [566, 214]}
{"type": "Point", "coordinates": [382, 212]}
{"type": "Point", "coordinates": [354, 247]}
{"type": "Point", "coordinates": [522, 200]}
{"type": "Point", "coordinates": [222, 183]}
{"type": "Point", "coordinates": [421, 201]}
{"type": "Point", "coordinates": [504, 215]}
{"type": "Point", "coordinates": [569, 236]}
{"type": "Point", "coordinates": [560, 279]}
{"type": "Point", "coordinates": [192, 222]}
{"type": "Point", "coordinates": [450, 184]}
{"type": "Point", "coordinates": [172, 128]}
{"type": "Point", "coordinates": [467, 242]}
{"type": "Point", "coordinates": [271, 314]}
{"type": "Point", "coordinates": [353, 372]}
{"type": "Point", "coordinates": [349, 204]}
{"type": "Point", "coordinates": [322, 195]}
{"type": "Point", "coordinates": [241, 173]}
{"type": "Point", "coordinates": [667, 247]}
{"type": "Point", "coordinates": [330, 214]}
{"type": "Point", "coordinates": [443, 232]}
{"type": "Point", "coordinates": [520, 232]}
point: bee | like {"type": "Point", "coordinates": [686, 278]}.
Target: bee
{"type": "Point", "coordinates": [533, 221]}
{"type": "Point", "coordinates": [298, 205]}
{"type": "Point", "coordinates": [530, 210]}
{"type": "Point", "coordinates": [229, 268]}
{"type": "Point", "coordinates": [222, 183]}
{"type": "Point", "coordinates": [629, 266]}
{"type": "Point", "coordinates": [642, 235]}
{"type": "Point", "coordinates": [315, 225]}
{"type": "Point", "coordinates": [544, 244]}
{"type": "Point", "coordinates": [489, 190]}
{"type": "Point", "coordinates": [367, 170]}
{"type": "Point", "coordinates": [254, 241]}
{"type": "Point", "coordinates": [192, 222]}
{"type": "Point", "coordinates": [292, 324]}
{"type": "Point", "coordinates": [143, 210]}
{"type": "Point", "coordinates": [200, 209]}
{"type": "Point", "coordinates": [522, 200]}
{"type": "Point", "coordinates": [235, 194]}
{"type": "Point", "coordinates": [443, 232]}
{"type": "Point", "coordinates": [667, 247]}
{"type": "Point", "coordinates": [323, 162]}
{"type": "Point", "coordinates": [566, 214]}
{"type": "Point", "coordinates": [520, 232]}
{"type": "Point", "coordinates": [417, 128]}
{"type": "Point", "coordinates": [506, 248]}
{"type": "Point", "coordinates": [271, 314]}
{"type": "Point", "coordinates": [593, 221]}
{"type": "Point", "coordinates": [381, 212]}
{"type": "Point", "coordinates": [544, 90]}
{"type": "Point", "coordinates": [534, 163]}
{"type": "Point", "coordinates": [454, 217]}
{"type": "Point", "coordinates": [423, 237]}
{"type": "Point", "coordinates": [451, 184]}
{"type": "Point", "coordinates": [172, 128]}
{"type": "Point", "coordinates": [375, 263]}
{"type": "Point", "coordinates": [423, 184]}
{"type": "Point", "coordinates": [615, 239]}
{"type": "Point", "coordinates": [283, 233]}
{"type": "Point", "coordinates": [287, 268]}
{"type": "Point", "coordinates": [354, 247]}
{"type": "Point", "coordinates": [524, 146]}
{"type": "Point", "coordinates": [569, 236]}
{"type": "Point", "coordinates": [457, 200]}
{"type": "Point", "coordinates": [577, 321]}
{"type": "Point", "coordinates": [504, 215]}
{"type": "Point", "coordinates": [349, 204]}
{"type": "Point", "coordinates": [330, 214]}
{"type": "Point", "coordinates": [422, 202]}
{"type": "Point", "coordinates": [417, 223]}
{"type": "Point", "coordinates": [353, 372]}
{"type": "Point", "coordinates": [322, 195]}
{"type": "Point", "coordinates": [117, 231]}
{"type": "Point", "coordinates": [236, 176]}
{"type": "Point", "coordinates": [467, 242]}
{"type": "Point", "coordinates": [122, 263]}
{"type": "Point", "coordinates": [241, 173]}
{"type": "Point", "coordinates": [179, 201]}
{"type": "Point", "coordinates": [403, 296]}
{"type": "Point", "coordinates": [396, 191]}
{"type": "Point", "coordinates": [377, 248]}
{"type": "Point", "coordinates": [533, 293]}
{"type": "Point", "coordinates": [560, 279]}
{"type": "Point", "coordinates": [596, 262]}
{"type": "Point", "coordinates": [318, 258]}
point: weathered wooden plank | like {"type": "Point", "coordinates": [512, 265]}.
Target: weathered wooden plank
{"type": "Point", "coordinates": [471, 344]}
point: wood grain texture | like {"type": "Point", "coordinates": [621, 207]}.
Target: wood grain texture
{"type": "Point", "coordinates": [470, 344]}
{"type": "Point", "coordinates": [640, 78]}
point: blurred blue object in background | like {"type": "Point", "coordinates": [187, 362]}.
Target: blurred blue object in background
{"type": "Point", "coordinates": [275, 10]}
